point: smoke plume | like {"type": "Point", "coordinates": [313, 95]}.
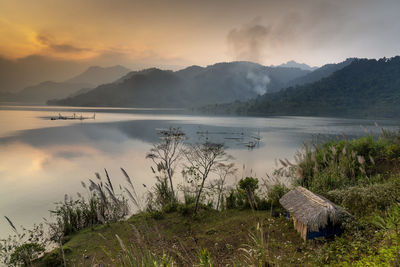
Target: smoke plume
{"type": "Point", "coordinates": [247, 42]}
{"type": "Point", "coordinates": [259, 82]}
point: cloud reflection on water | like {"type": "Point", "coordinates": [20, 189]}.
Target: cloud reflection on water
{"type": "Point", "coordinates": [43, 161]}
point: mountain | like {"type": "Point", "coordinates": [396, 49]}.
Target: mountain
{"type": "Point", "coordinates": [44, 91]}
{"type": "Point", "coordinates": [96, 75]}
{"type": "Point", "coordinates": [20, 73]}
{"type": "Point", "coordinates": [363, 88]}
{"type": "Point", "coordinates": [319, 73]}
{"type": "Point", "coordinates": [190, 87]}
{"type": "Point", "coordinates": [294, 64]}
{"type": "Point", "coordinates": [89, 79]}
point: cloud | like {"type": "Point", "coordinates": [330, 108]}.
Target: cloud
{"type": "Point", "coordinates": [50, 42]}
{"type": "Point", "coordinates": [247, 42]}
{"type": "Point", "coordinates": [255, 41]}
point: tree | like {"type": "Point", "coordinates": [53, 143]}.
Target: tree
{"type": "Point", "coordinates": [249, 185]}
{"type": "Point", "coordinates": [166, 155]}
{"type": "Point", "coordinates": [218, 185]}
{"type": "Point", "coordinates": [202, 159]}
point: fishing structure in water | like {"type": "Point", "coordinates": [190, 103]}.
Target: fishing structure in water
{"type": "Point", "coordinates": [73, 117]}
{"type": "Point", "coordinates": [240, 137]}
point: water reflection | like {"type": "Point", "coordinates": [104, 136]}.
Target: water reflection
{"type": "Point", "coordinates": [41, 160]}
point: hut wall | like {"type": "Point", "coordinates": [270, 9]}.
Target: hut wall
{"type": "Point", "coordinates": [301, 228]}
{"type": "Point", "coordinates": [329, 230]}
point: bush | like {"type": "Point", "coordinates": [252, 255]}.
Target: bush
{"type": "Point", "coordinates": [186, 210]}
{"type": "Point", "coordinates": [157, 215]}
{"type": "Point", "coordinates": [276, 193]}
{"type": "Point", "coordinates": [365, 200]}
{"type": "Point", "coordinates": [170, 207]}
{"type": "Point", "coordinates": [337, 165]}
{"type": "Point", "coordinates": [245, 196]}
{"type": "Point", "coordinates": [26, 253]}
{"type": "Point", "coordinates": [248, 186]}
{"type": "Point", "coordinates": [52, 259]}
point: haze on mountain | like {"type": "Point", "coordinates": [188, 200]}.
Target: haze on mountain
{"type": "Point", "coordinates": [363, 88]}
{"type": "Point", "coordinates": [190, 87]}
{"type": "Point", "coordinates": [294, 64]}
{"type": "Point", "coordinates": [44, 91]}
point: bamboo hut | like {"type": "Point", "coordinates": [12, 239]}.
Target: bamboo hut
{"type": "Point", "coordinates": [313, 215]}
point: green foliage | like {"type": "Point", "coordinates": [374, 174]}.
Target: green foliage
{"type": "Point", "coordinates": [134, 256]}
{"type": "Point", "coordinates": [74, 215]}
{"type": "Point", "coordinates": [160, 196]}
{"type": "Point", "coordinates": [369, 199]}
{"type": "Point", "coordinates": [249, 185]}
{"type": "Point", "coordinates": [246, 195]}
{"type": "Point", "coordinates": [24, 247]}
{"type": "Point", "coordinates": [275, 193]}
{"type": "Point", "coordinates": [365, 243]}
{"type": "Point", "coordinates": [170, 207]}
{"type": "Point", "coordinates": [26, 253]}
{"type": "Point", "coordinates": [186, 209]}
{"type": "Point", "coordinates": [255, 253]}
{"type": "Point", "coordinates": [157, 215]}
{"type": "Point", "coordinates": [365, 88]}
{"type": "Point", "coordinates": [52, 259]}
{"type": "Point", "coordinates": [385, 256]}
{"type": "Point", "coordinates": [205, 259]}
{"type": "Point", "coordinates": [390, 223]}
{"type": "Point", "coordinates": [338, 165]}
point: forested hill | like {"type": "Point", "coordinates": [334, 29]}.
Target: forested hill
{"type": "Point", "coordinates": [320, 73]}
{"type": "Point", "coordinates": [191, 87]}
{"type": "Point", "coordinates": [364, 88]}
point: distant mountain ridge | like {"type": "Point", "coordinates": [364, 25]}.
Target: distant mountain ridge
{"type": "Point", "coordinates": [320, 73]}
{"type": "Point", "coordinates": [190, 87]}
{"type": "Point", "coordinates": [47, 90]}
{"type": "Point", "coordinates": [363, 88]}
{"type": "Point", "coordinates": [44, 91]}
{"type": "Point", "coordinates": [294, 64]}
{"type": "Point", "coordinates": [96, 75]}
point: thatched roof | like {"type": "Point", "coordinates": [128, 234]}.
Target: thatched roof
{"type": "Point", "coordinates": [312, 210]}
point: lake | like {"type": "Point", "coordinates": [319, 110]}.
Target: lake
{"type": "Point", "coordinates": [41, 160]}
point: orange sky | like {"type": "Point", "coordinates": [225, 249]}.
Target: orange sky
{"type": "Point", "coordinates": [185, 32]}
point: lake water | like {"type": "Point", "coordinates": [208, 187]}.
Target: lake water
{"type": "Point", "coordinates": [43, 159]}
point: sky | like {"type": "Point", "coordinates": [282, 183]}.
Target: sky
{"type": "Point", "coordinates": [173, 34]}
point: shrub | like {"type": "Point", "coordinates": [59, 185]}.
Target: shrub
{"type": "Point", "coordinates": [157, 215]}
{"type": "Point", "coordinates": [186, 210]}
{"type": "Point", "coordinates": [26, 253]}
{"type": "Point", "coordinates": [249, 185]}
{"type": "Point", "coordinates": [276, 193]}
{"type": "Point", "coordinates": [170, 207]}
{"type": "Point", "coordinates": [23, 247]}
{"type": "Point", "coordinates": [204, 258]}
{"type": "Point", "coordinates": [52, 259]}
{"type": "Point", "coordinates": [337, 165]}
{"type": "Point", "coordinates": [365, 200]}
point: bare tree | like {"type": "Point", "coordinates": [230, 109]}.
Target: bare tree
{"type": "Point", "coordinates": [202, 159]}
{"type": "Point", "coordinates": [223, 171]}
{"type": "Point", "coordinates": [167, 154]}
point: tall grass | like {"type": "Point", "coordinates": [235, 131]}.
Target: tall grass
{"type": "Point", "coordinates": [104, 204]}
{"type": "Point", "coordinates": [340, 164]}
{"type": "Point", "coordinates": [255, 253]}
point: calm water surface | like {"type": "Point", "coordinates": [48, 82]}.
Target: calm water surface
{"type": "Point", "coordinates": [41, 160]}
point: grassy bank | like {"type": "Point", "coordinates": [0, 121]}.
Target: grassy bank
{"type": "Point", "coordinates": [211, 224]}
{"type": "Point", "coordinates": [183, 237]}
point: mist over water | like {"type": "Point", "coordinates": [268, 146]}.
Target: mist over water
{"type": "Point", "coordinates": [41, 160]}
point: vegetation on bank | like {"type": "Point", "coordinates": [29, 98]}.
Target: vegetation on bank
{"type": "Point", "coordinates": [208, 222]}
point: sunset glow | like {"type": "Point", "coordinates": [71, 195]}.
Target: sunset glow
{"type": "Point", "coordinates": [179, 33]}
